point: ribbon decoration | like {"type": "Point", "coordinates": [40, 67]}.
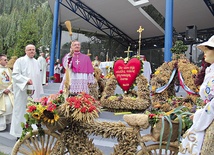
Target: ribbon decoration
{"type": "Point", "coordinates": [187, 89]}
{"type": "Point", "coordinates": [161, 89]}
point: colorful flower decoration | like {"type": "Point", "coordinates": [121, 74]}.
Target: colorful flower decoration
{"type": "Point", "coordinates": [49, 110]}
{"type": "Point", "coordinates": [41, 111]}
{"type": "Point", "coordinates": [180, 113]}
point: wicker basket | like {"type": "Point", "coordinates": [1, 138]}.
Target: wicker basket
{"type": "Point", "coordinates": [156, 131]}
{"type": "Point", "coordinates": [208, 144]}
{"type": "Point", "coordinates": [60, 124]}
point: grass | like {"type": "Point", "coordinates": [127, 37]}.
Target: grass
{"type": "Point", "coordinates": [1, 153]}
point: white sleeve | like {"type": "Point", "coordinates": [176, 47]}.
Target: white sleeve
{"type": "Point", "coordinates": [65, 61]}
{"type": "Point", "coordinates": [205, 116]}
{"type": "Point", "coordinates": [18, 78]}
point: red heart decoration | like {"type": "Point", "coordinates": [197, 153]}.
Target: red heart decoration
{"type": "Point", "coordinates": [126, 73]}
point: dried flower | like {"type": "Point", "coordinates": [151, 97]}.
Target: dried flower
{"type": "Point", "coordinates": [194, 72]}
{"type": "Point", "coordinates": [157, 72]}
{"type": "Point", "coordinates": [84, 107]}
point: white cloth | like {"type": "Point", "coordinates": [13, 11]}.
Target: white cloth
{"type": "Point", "coordinates": [57, 70]}
{"type": "Point", "coordinates": [6, 100]}
{"type": "Point", "coordinates": [78, 81]}
{"type": "Point", "coordinates": [147, 71]}
{"type": "Point", "coordinates": [43, 65]}
{"type": "Point", "coordinates": [104, 65]}
{"type": "Point", "coordinates": [24, 69]}
{"type": "Point", "coordinates": [193, 140]}
{"type": "Point", "coordinates": [48, 64]}
{"type": "Point", "coordinates": [96, 63]}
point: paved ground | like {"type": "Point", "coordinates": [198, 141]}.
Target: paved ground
{"type": "Point", "coordinates": [7, 141]}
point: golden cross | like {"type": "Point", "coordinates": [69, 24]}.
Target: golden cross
{"type": "Point", "coordinates": [88, 53]}
{"type": "Point", "coordinates": [107, 56]}
{"type": "Point", "coordinates": [128, 51]}
{"type": "Point", "coordinates": [140, 30]}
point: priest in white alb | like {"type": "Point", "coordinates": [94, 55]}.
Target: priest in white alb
{"type": "Point", "coordinates": [147, 71]}
{"type": "Point", "coordinates": [6, 94]}
{"type": "Point", "coordinates": [42, 62]}
{"type": "Point", "coordinates": [26, 71]}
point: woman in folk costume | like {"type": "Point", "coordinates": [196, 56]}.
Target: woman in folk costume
{"type": "Point", "coordinates": [79, 70]}
{"type": "Point", "coordinates": [6, 95]}
{"type": "Point", "coordinates": [202, 119]}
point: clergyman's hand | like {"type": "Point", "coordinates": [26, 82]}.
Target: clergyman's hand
{"type": "Point", "coordinates": [6, 91]}
{"type": "Point", "coordinates": [71, 52]}
{"type": "Point", "coordinates": [30, 82]}
{"type": "Point", "coordinates": [191, 117]}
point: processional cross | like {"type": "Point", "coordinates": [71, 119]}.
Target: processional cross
{"type": "Point", "coordinates": [88, 53]}
{"type": "Point", "coordinates": [128, 51]}
{"type": "Point", "coordinates": [140, 30]}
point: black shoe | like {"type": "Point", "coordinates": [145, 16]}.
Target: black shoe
{"type": "Point", "coordinates": [17, 138]}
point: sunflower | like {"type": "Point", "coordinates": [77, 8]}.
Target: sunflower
{"type": "Point", "coordinates": [36, 115]}
{"type": "Point", "coordinates": [50, 117]}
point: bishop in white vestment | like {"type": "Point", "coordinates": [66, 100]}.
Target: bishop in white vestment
{"type": "Point", "coordinates": [6, 94]}
{"type": "Point", "coordinates": [26, 71]}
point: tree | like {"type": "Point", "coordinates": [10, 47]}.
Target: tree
{"type": "Point", "coordinates": [27, 35]}
{"type": "Point", "coordinates": [4, 29]}
{"type": "Point", "coordinates": [23, 22]}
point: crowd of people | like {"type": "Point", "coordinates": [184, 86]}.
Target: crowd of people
{"type": "Point", "coordinates": [29, 73]}
{"type": "Point", "coordinates": [75, 78]}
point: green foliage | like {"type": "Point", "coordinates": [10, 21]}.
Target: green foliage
{"type": "Point", "coordinates": [28, 34]}
{"type": "Point", "coordinates": [179, 47]}
{"type": "Point", "coordinates": [4, 29]}
{"type": "Point", "coordinates": [23, 22]}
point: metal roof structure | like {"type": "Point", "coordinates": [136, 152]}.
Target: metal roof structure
{"type": "Point", "coordinates": [120, 19]}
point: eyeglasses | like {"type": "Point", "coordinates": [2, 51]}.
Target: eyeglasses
{"type": "Point", "coordinates": [4, 59]}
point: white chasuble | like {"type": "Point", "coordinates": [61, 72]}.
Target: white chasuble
{"type": "Point", "coordinates": [24, 69]}
{"type": "Point", "coordinates": [6, 100]}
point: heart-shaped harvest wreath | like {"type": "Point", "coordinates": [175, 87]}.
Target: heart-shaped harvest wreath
{"type": "Point", "coordinates": [126, 73]}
